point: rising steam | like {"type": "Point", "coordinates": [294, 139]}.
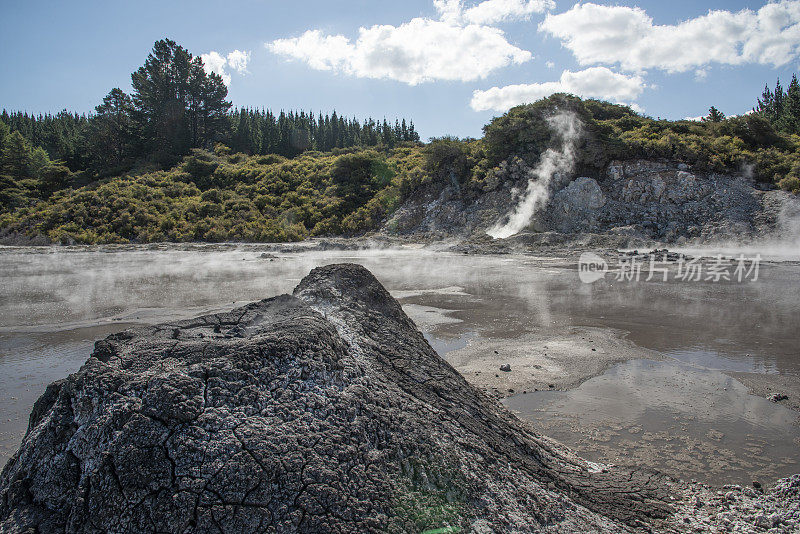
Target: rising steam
{"type": "Point", "coordinates": [567, 127]}
{"type": "Point", "coordinates": [780, 244]}
{"type": "Point", "coordinates": [789, 224]}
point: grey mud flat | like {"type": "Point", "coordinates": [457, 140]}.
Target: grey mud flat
{"type": "Point", "coordinates": [544, 360]}
{"type": "Point", "coordinates": [325, 410]}
{"type": "Point", "coordinates": [785, 390]}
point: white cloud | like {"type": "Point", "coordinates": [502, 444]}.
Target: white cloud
{"type": "Point", "coordinates": [611, 35]}
{"type": "Point", "coordinates": [321, 52]}
{"type": "Point", "coordinates": [595, 82]}
{"type": "Point", "coordinates": [449, 10]}
{"type": "Point", "coordinates": [490, 11]}
{"type": "Point", "coordinates": [637, 108]}
{"type": "Point", "coordinates": [550, 65]}
{"type": "Point", "coordinates": [417, 51]}
{"type": "Point", "coordinates": [493, 11]}
{"type": "Point", "coordinates": [700, 75]}
{"type": "Point", "coordinates": [217, 63]}
{"type": "Point", "coordinates": [214, 62]}
{"type": "Point", "coordinates": [237, 60]}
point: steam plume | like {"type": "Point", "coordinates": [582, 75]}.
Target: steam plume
{"type": "Point", "coordinates": [567, 126]}
{"type": "Point", "coordinates": [789, 224]}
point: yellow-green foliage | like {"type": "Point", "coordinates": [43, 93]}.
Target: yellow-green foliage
{"type": "Point", "coordinates": [227, 196]}
{"type": "Point", "coordinates": [727, 146]}
{"type": "Point", "coordinates": [231, 197]}
{"type": "Point", "coordinates": [790, 183]}
{"type": "Point", "coordinates": [616, 132]}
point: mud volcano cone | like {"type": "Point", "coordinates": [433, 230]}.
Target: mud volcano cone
{"type": "Point", "coordinates": [323, 411]}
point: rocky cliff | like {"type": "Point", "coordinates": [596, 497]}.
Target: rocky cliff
{"type": "Point", "coordinates": [641, 199]}
{"type": "Point", "coordinates": [321, 411]}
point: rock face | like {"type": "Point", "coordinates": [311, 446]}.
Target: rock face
{"type": "Point", "coordinates": [650, 200]}
{"type": "Point", "coordinates": [577, 207]}
{"type": "Point", "coordinates": [323, 411]}
{"type": "Point", "coordinates": [667, 201]}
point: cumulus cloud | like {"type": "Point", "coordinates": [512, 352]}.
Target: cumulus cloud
{"type": "Point", "coordinates": [237, 60]}
{"type": "Point", "coordinates": [490, 11]}
{"type": "Point", "coordinates": [636, 107]}
{"type": "Point", "coordinates": [449, 10]}
{"type": "Point", "coordinates": [595, 82]}
{"type": "Point", "coordinates": [217, 63]}
{"type": "Point", "coordinates": [214, 62]}
{"type": "Point", "coordinates": [494, 11]}
{"type": "Point", "coordinates": [701, 75]}
{"type": "Point", "coordinates": [417, 51]}
{"type": "Point", "coordinates": [627, 36]}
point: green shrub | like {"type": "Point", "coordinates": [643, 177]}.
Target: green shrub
{"type": "Point", "coordinates": [447, 159]}
{"type": "Point", "coordinates": [791, 184]}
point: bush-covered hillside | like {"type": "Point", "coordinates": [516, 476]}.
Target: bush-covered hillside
{"type": "Point", "coordinates": [749, 143]}
{"type": "Point", "coordinates": [240, 194]}
{"type": "Point", "coordinates": [219, 196]}
{"type": "Point", "coordinates": [175, 106]}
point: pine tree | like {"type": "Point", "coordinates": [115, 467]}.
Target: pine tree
{"type": "Point", "coordinates": [789, 121]}
{"type": "Point", "coordinates": [159, 95]}
{"type": "Point", "coordinates": [242, 137]}
{"type": "Point", "coordinates": [4, 131]}
{"type": "Point", "coordinates": [112, 133]}
{"type": "Point", "coordinates": [17, 156]}
{"type": "Point", "coordinates": [714, 115]}
{"type": "Point", "coordinates": [178, 105]}
{"type": "Point", "coordinates": [211, 106]}
{"type": "Point", "coordinates": [777, 99]}
{"type": "Point", "coordinates": [284, 135]}
{"type": "Point", "coordinates": [386, 134]}
{"type": "Point", "coordinates": [255, 133]}
{"type": "Point", "coordinates": [345, 132]}
{"type": "Point", "coordinates": [412, 134]}
{"type": "Point", "coordinates": [766, 104]}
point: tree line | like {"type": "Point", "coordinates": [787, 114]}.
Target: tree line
{"type": "Point", "coordinates": [289, 134]}
{"type": "Point", "coordinates": [781, 107]}
{"type": "Point", "coordinates": [176, 106]}
{"type": "Point", "coordinates": [226, 195]}
{"type": "Point", "coordinates": [26, 171]}
{"type": "Point", "coordinates": [62, 136]}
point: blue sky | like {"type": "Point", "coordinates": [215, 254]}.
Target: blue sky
{"type": "Point", "coordinates": [60, 55]}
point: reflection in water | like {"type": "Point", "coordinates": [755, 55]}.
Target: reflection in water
{"type": "Point", "coordinates": [691, 422]}
{"type": "Point", "coordinates": [28, 363]}
{"type": "Point", "coordinates": [55, 301]}
{"type": "Point", "coordinates": [443, 345]}
{"type": "Point", "coordinates": [732, 359]}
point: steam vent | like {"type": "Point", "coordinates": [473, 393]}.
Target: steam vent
{"type": "Point", "coordinates": [321, 411]}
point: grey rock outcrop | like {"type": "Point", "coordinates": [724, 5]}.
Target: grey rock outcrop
{"type": "Point", "coordinates": [323, 411]}
{"type": "Point", "coordinates": [668, 202]}
{"type": "Point", "coordinates": [643, 199]}
{"type": "Point", "coordinates": [576, 208]}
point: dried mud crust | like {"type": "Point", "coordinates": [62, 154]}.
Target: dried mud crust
{"type": "Point", "coordinates": [323, 411]}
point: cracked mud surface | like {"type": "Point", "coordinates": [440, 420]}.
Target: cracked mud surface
{"type": "Point", "coordinates": [321, 411]}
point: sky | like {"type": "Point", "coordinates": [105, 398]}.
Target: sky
{"type": "Point", "coordinates": [448, 65]}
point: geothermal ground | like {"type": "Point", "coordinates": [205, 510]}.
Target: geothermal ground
{"type": "Point", "coordinates": [673, 376]}
{"type": "Point", "coordinates": [158, 427]}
